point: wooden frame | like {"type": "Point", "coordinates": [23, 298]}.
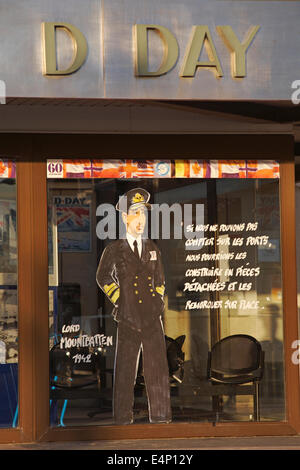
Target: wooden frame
{"type": "Point", "coordinates": [31, 151]}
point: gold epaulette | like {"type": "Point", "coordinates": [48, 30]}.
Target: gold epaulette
{"type": "Point", "coordinates": [160, 290]}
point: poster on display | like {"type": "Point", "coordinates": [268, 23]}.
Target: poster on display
{"type": "Point", "coordinates": [73, 223]}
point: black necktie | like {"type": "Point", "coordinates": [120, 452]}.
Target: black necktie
{"type": "Point", "coordinates": [136, 251]}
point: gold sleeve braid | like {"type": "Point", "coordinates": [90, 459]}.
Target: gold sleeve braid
{"type": "Point", "coordinates": [112, 291]}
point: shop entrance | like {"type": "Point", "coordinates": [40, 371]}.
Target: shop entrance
{"type": "Point", "coordinates": [227, 255]}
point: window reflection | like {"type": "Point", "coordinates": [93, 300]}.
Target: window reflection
{"type": "Point", "coordinates": [230, 285]}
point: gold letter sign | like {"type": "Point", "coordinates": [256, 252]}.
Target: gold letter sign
{"type": "Point", "coordinates": [79, 45]}
{"type": "Point", "coordinates": [201, 35]}
{"type": "Point", "coordinates": [141, 47]}
{"type": "Point", "coordinates": [237, 50]}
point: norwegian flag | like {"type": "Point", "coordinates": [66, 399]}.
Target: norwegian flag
{"type": "Point", "coordinates": [105, 168]}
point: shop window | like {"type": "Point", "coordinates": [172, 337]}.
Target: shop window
{"type": "Point", "coordinates": [132, 327]}
{"type": "Point", "coordinates": [8, 296]}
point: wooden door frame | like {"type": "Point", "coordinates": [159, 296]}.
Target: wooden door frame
{"type": "Point", "coordinates": [31, 152]}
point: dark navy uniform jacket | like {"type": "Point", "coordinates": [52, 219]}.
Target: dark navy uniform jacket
{"type": "Point", "coordinates": [134, 285]}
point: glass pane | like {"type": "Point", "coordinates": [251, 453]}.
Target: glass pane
{"type": "Point", "coordinates": [8, 296]}
{"type": "Point", "coordinates": [134, 330]}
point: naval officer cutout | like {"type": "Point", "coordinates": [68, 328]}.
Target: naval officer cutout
{"type": "Point", "coordinates": [131, 274]}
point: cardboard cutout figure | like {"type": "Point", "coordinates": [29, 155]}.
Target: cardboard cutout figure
{"type": "Point", "coordinates": [131, 274]}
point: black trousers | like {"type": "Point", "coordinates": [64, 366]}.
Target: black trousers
{"type": "Point", "coordinates": [155, 367]}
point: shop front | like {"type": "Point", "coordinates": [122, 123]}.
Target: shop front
{"type": "Point", "coordinates": [148, 241]}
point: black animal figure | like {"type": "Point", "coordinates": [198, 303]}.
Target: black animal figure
{"type": "Point", "coordinates": [175, 357]}
{"type": "Point", "coordinates": [68, 371]}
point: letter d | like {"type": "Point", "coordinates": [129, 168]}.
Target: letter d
{"type": "Point", "coordinates": [171, 50]}
{"type": "Point", "coordinates": [79, 45]}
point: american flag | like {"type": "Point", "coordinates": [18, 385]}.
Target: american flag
{"type": "Point", "coordinates": [145, 169]}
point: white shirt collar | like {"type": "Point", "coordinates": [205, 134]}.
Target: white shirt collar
{"type": "Point", "coordinates": [131, 239]}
